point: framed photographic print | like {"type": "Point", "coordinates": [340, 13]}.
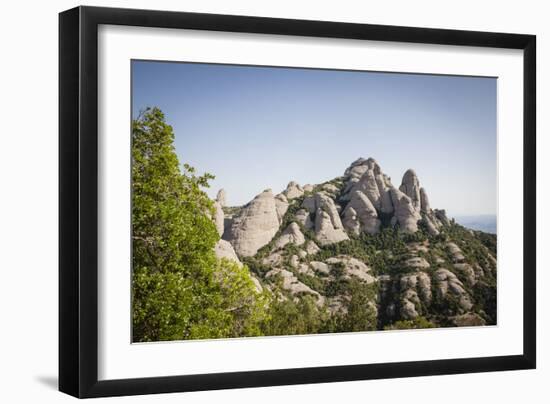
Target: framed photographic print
{"type": "Point", "coordinates": [250, 201]}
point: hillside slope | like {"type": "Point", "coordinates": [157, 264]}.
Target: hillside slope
{"type": "Point", "coordinates": [363, 253]}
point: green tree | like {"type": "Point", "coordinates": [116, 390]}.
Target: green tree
{"type": "Point", "coordinates": [361, 312]}
{"type": "Point", "coordinates": [180, 290]}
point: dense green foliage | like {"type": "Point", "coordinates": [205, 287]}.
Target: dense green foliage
{"type": "Point", "coordinates": [180, 290]}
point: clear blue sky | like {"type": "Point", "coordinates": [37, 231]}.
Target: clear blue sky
{"type": "Point", "coordinates": [260, 127]}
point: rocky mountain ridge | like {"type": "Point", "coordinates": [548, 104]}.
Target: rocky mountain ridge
{"type": "Point", "coordinates": [320, 241]}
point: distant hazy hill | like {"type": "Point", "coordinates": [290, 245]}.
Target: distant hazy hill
{"type": "Point", "coordinates": [486, 223]}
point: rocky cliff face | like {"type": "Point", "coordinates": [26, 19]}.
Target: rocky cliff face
{"type": "Point", "coordinates": [317, 240]}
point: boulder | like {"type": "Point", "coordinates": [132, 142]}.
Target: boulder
{"type": "Point", "coordinates": [420, 283]}
{"type": "Point", "coordinates": [356, 169]}
{"type": "Point", "coordinates": [311, 248]}
{"type": "Point", "coordinates": [309, 204]}
{"type": "Point", "coordinates": [330, 188]}
{"type": "Point", "coordinates": [224, 249]}
{"type": "Point", "coordinates": [351, 221]}
{"type": "Point", "coordinates": [305, 269]}
{"type": "Point", "coordinates": [292, 234]}
{"type": "Point", "coordinates": [273, 259]}
{"type": "Point", "coordinates": [221, 197]}
{"type": "Point", "coordinates": [424, 201]}
{"type": "Point", "coordinates": [405, 214]}
{"type": "Point", "coordinates": [417, 263]}
{"type": "Point", "coordinates": [308, 188]}
{"type": "Point", "coordinates": [416, 247]}
{"type": "Point", "coordinates": [409, 302]}
{"type": "Point", "coordinates": [320, 267]}
{"type": "Point", "coordinates": [303, 217]}
{"type": "Point", "coordinates": [281, 205]}
{"type": "Point", "coordinates": [467, 271]}
{"type": "Point", "coordinates": [447, 282]}
{"type": "Point", "coordinates": [326, 231]}
{"type": "Point", "coordinates": [360, 215]}
{"type": "Point", "coordinates": [431, 224]}
{"type": "Point", "coordinates": [410, 186]}
{"type": "Point", "coordinates": [293, 190]}
{"type": "Point", "coordinates": [292, 285]}
{"type": "Point", "coordinates": [441, 215]}
{"type": "Point", "coordinates": [328, 226]}
{"type": "Point", "coordinates": [353, 268]}
{"type": "Point", "coordinates": [368, 186]}
{"type": "Point", "coordinates": [219, 217]}
{"type": "Point", "coordinates": [384, 185]}
{"type": "Point", "coordinates": [456, 252]}
{"type": "Point", "coordinates": [294, 261]}
{"type": "Point", "coordinates": [255, 226]}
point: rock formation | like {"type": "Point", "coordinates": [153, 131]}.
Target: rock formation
{"type": "Point", "coordinates": [323, 238]}
{"type": "Point", "coordinates": [448, 283]}
{"type": "Point", "coordinates": [220, 197]}
{"type": "Point", "coordinates": [255, 226]}
{"type": "Point", "coordinates": [304, 218]}
{"type": "Point", "coordinates": [291, 234]}
{"type": "Point", "coordinates": [360, 215]}
{"type": "Point", "coordinates": [224, 249]}
{"type": "Point", "coordinates": [353, 268]}
{"type": "Point", "coordinates": [281, 205]}
{"type": "Point", "coordinates": [410, 186]}
{"type": "Point", "coordinates": [327, 230]}
{"type": "Point", "coordinates": [219, 218]}
{"type": "Point", "coordinates": [405, 213]}
{"type": "Point", "coordinates": [293, 190]}
{"type": "Point", "coordinates": [291, 284]}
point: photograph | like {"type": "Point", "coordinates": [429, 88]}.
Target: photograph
{"type": "Point", "coordinates": [272, 201]}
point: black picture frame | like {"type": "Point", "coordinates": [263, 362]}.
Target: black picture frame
{"type": "Point", "coordinates": [78, 201]}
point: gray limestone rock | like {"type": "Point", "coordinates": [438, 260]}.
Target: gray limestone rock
{"type": "Point", "coordinates": [281, 205]}
{"type": "Point", "coordinates": [384, 185]}
{"type": "Point", "coordinates": [312, 248]}
{"type": "Point", "coordinates": [221, 197]}
{"type": "Point", "coordinates": [326, 231]}
{"type": "Point", "coordinates": [441, 215]}
{"type": "Point", "coordinates": [293, 190]}
{"type": "Point", "coordinates": [409, 302]}
{"type": "Point", "coordinates": [456, 252]}
{"type": "Point", "coordinates": [405, 213]}
{"type": "Point", "coordinates": [224, 249]}
{"type": "Point", "coordinates": [410, 186]}
{"type": "Point", "coordinates": [292, 285]}
{"type": "Point", "coordinates": [303, 217]}
{"type": "Point", "coordinates": [360, 215]}
{"type": "Point", "coordinates": [320, 267]}
{"type": "Point", "coordinates": [353, 268]}
{"type": "Point", "coordinates": [255, 226]}
{"type": "Point", "coordinates": [328, 226]}
{"type": "Point", "coordinates": [424, 201]}
{"type": "Point", "coordinates": [420, 283]}
{"type": "Point", "coordinates": [292, 234]}
{"type": "Point", "coordinates": [417, 263]}
{"type": "Point", "coordinates": [467, 271]}
{"type": "Point", "coordinates": [219, 217]}
{"type": "Point", "coordinates": [447, 282]}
